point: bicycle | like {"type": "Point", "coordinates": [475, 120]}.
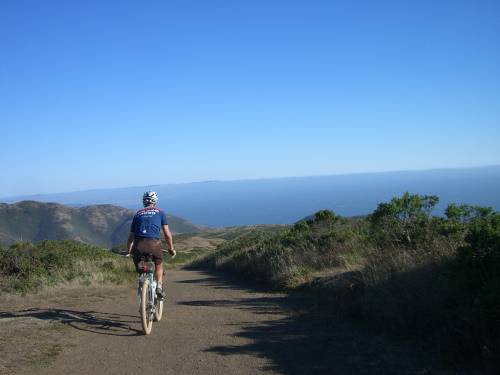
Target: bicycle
{"type": "Point", "coordinates": [150, 307]}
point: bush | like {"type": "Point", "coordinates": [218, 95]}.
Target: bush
{"type": "Point", "coordinates": [25, 266]}
{"type": "Point", "coordinates": [478, 275]}
{"type": "Point", "coordinates": [288, 257]}
{"type": "Point", "coordinates": [404, 220]}
{"type": "Point", "coordinates": [483, 241]}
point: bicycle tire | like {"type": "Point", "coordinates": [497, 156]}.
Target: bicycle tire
{"type": "Point", "coordinates": [158, 310]}
{"type": "Point", "coordinates": [147, 323]}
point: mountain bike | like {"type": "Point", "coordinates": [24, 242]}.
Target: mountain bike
{"type": "Point", "coordinates": [150, 307]}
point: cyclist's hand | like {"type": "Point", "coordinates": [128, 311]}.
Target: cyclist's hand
{"type": "Point", "coordinates": [173, 253]}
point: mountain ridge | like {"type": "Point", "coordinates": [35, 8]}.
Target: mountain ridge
{"type": "Point", "coordinates": [103, 224]}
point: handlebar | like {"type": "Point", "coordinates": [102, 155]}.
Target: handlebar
{"type": "Point", "coordinates": [163, 250]}
{"type": "Point", "coordinates": [172, 255]}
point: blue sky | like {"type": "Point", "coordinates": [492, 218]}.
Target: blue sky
{"type": "Point", "coordinates": [97, 94]}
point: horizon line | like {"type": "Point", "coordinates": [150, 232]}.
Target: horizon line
{"type": "Point", "coordinates": [249, 179]}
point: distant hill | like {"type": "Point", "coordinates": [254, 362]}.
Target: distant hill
{"type": "Point", "coordinates": [102, 225]}
{"type": "Point", "coordinates": [286, 200]}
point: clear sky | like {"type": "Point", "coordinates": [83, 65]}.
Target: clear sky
{"type": "Point", "coordinates": [98, 94]}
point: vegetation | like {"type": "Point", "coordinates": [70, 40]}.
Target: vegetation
{"type": "Point", "coordinates": [401, 270]}
{"type": "Point", "coordinates": [196, 245]}
{"type": "Point", "coordinates": [27, 267]}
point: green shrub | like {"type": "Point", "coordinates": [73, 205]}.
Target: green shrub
{"type": "Point", "coordinates": [478, 277]}
{"type": "Point", "coordinates": [287, 257]}
{"type": "Point", "coordinates": [324, 216]}
{"type": "Point", "coordinates": [25, 266]}
{"type": "Point", "coordinates": [483, 241]}
{"type": "Point", "coordinates": [404, 220]}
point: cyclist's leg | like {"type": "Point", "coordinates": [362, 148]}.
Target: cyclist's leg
{"type": "Point", "coordinates": [159, 279]}
{"type": "Point", "coordinates": [159, 273]}
{"type": "Point", "coordinates": [157, 252]}
{"type": "Point", "coordinates": [136, 256]}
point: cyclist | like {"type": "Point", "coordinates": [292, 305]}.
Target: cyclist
{"type": "Point", "coordinates": [144, 236]}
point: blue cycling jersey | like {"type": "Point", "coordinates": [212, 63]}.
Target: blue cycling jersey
{"type": "Point", "coordinates": [147, 223]}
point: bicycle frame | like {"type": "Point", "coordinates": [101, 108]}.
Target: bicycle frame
{"type": "Point", "coordinates": [151, 282]}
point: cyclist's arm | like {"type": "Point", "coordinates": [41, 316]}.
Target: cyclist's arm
{"type": "Point", "coordinates": [130, 242]}
{"type": "Point", "coordinates": [168, 237]}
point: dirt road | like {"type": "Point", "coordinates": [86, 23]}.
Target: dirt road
{"type": "Point", "coordinates": [212, 325]}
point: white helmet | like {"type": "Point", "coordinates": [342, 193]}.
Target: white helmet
{"type": "Point", "coordinates": [149, 198]}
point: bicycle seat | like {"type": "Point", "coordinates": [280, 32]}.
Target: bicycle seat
{"type": "Point", "coordinates": [146, 264]}
{"type": "Point", "coordinates": [147, 257]}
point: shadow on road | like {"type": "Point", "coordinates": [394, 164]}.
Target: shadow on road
{"type": "Point", "coordinates": [89, 321]}
{"type": "Point", "coordinates": [221, 280]}
{"type": "Point", "coordinates": [300, 338]}
{"type": "Point", "coordinates": [266, 305]}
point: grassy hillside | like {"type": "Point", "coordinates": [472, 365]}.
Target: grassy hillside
{"type": "Point", "coordinates": [400, 270]}
{"type": "Point", "coordinates": [27, 267]}
{"type": "Point", "coordinates": [102, 225]}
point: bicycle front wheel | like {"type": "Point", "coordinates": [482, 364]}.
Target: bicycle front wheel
{"type": "Point", "coordinates": [147, 322]}
{"type": "Point", "coordinates": [158, 310]}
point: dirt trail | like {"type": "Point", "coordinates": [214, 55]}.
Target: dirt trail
{"type": "Point", "coordinates": [211, 326]}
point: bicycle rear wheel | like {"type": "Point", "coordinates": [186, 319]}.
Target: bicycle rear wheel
{"type": "Point", "coordinates": [147, 322]}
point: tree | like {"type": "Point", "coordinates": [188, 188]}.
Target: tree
{"type": "Point", "coordinates": [404, 219]}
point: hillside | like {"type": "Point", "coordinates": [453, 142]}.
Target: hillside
{"type": "Point", "coordinates": [286, 200]}
{"type": "Point", "coordinates": [102, 225]}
